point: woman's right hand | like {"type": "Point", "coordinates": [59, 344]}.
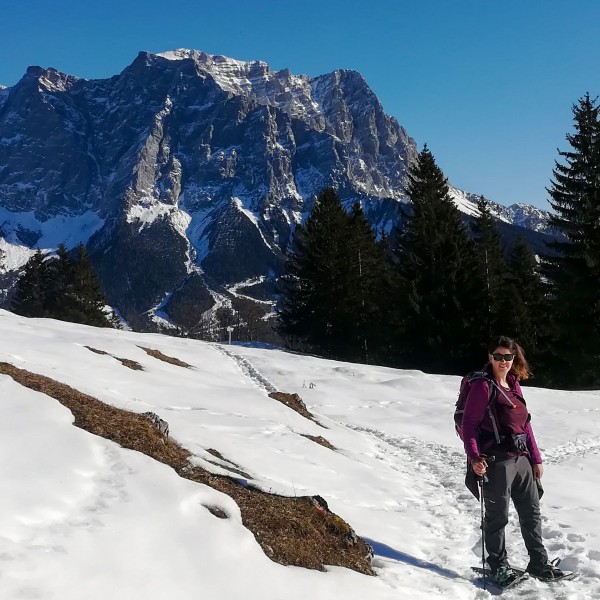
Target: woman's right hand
{"type": "Point", "coordinates": [479, 465]}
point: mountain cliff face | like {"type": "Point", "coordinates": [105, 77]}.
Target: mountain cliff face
{"type": "Point", "coordinates": [186, 173]}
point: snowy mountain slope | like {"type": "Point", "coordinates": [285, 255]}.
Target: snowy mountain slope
{"type": "Point", "coordinates": [522, 215]}
{"type": "Point", "coordinates": [86, 518]}
{"type": "Point", "coordinates": [187, 172]}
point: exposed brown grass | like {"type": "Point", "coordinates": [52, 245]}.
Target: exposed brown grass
{"type": "Point", "coordinates": [294, 402]}
{"type": "Point", "coordinates": [130, 364]}
{"type": "Point", "coordinates": [168, 359]}
{"type": "Point", "coordinates": [96, 351]}
{"type": "Point", "coordinates": [319, 440]}
{"type": "Point", "coordinates": [291, 531]}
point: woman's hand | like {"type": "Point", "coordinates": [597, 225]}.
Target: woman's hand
{"type": "Point", "coordinates": [538, 471]}
{"type": "Point", "coordinates": [479, 465]}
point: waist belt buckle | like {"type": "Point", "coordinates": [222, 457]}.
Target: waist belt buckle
{"type": "Point", "coordinates": [520, 441]}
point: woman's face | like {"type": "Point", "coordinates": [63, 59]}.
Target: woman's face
{"type": "Point", "coordinates": [502, 361]}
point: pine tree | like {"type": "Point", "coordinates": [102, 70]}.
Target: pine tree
{"type": "Point", "coordinates": [369, 289]}
{"type": "Point", "coordinates": [88, 300]}
{"type": "Point", "coordinates": [492, 268]}
{"type": "Point", "coordinates": [62, 288]}
{"type": "Point", "coordinates": [57, 286]}
{"type": "Point", "coordinates": [574, 271]}
{"type": "Point", "coordinates": [528, 311]}
{"type": "Point", "coordinates": [312, 315]}
{"type": "Point", "coordinates": [29, 298]}
{"type": "Point", "coordinates": [439, 293]}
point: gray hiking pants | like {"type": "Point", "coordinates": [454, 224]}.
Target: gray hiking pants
{"type": "Point", "coordinates": [512, 478]}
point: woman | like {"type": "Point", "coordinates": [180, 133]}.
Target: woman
{"type": "Point", "coordinates": [500, 444]}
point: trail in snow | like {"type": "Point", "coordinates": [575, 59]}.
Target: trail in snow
{"type": "Point", "coordinates": [248, 370]}
{"type": "Point", "coordinates": [442, 470]}
{"type": "Point", "coordinates": [435, 499]}
{"type": "Point", "coordinates": [576, 448]}
{"type": "Point", "coordinates": [81, 506]}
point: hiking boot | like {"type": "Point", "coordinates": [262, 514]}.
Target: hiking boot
{"type": "Point", "coordinates": [504, 575]}
{"type": "Point", "coordinates": [548, 570]}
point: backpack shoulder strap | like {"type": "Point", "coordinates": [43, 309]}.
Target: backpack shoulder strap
{"type": "Point", "coordinates": [493, 395]}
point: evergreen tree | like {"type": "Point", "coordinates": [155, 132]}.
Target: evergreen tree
{"type": "Point", "coordinates": [61, 288]}
{"type": "Point", "coordinates": [369, 289]}
{"type": "Point", "coordinates": [439, 290]}
{"type": "Point", "coordinates": [530, 324]}
{"type": "Point", "coordinates": [87, 299]}
{"type": "Point", "coordinates": [493, 271]}
{"type": "Point", "coordinates": [335, 293]}
{"type": "Point", "coordinates": [312, 315]}
{"type": "Point", "coordinates": [57, 287]}
{"type": "Point", "coordinates": [29, 298]}
{"type": "Point", "coordinates": [574, 271]}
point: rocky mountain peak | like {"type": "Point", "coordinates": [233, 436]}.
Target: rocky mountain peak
{"type": "Point", "coordinates": [187, 172]}
{"type": "Point", "coordinates": [50, 79]}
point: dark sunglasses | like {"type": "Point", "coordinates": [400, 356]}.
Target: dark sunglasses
{"type": "Point", "coordinates": [505, 357]}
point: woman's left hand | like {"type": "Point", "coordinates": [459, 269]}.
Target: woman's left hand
{"type": "Point", "coordinates": [538, 471]}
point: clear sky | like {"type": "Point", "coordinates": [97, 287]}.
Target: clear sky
{"type": "Point", "coordinates": [487, 84]}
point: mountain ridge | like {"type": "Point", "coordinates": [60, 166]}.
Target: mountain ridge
{"type": "Point", "coordinates": [189, 171]}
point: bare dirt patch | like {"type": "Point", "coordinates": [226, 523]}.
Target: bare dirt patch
{"type": "Point", "coordinates": [168, 359]}
{"type": "Point", "coordinates": [291, 531]}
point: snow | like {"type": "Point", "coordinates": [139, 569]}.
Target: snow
{"type": "Point", "coordinates": [15, 255]}
{"type": "Point", "coordinates": [247, 212]}
{"type": "Point", "coordinates": [84, 517]}
{"type": "Point", "coordinates": [236, 287]}
{"type": "Point", "coordinates": [463, 201]}
{"type": "Point", "coordinates": [289, 92]}
{"type": "Point", "coordinates": [147, 210]}
{"type": "Point", "coordinates": [70, 230]}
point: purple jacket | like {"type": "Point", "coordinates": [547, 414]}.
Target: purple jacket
{"type": "Point", "coordinates": [476, 417]}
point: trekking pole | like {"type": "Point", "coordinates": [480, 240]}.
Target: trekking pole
{"type": "Point", "coordinates": [481, 479]}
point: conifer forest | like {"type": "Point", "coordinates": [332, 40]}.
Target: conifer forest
{"type": "Point", "coordinates": [430, 294]}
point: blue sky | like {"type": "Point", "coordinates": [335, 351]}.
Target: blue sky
{"type": "Point", "coordinates": [487, 84]}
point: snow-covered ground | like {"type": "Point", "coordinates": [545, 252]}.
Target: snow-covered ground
{"type": "Point", "coordinates": [82, 518]}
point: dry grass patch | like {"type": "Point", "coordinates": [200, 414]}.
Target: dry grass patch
{"type": "Point", "coordinates": [130, 364]}
{"type": "Point", "coordinates": [294, 402]}
{"type": "Point", "coordinates": [319, 440]}
{"type": "Point", "coordinates": [168, 359]}
{"type": "Point", "coordinates": [291, 531]}
{"type": "Point", "coordinates": [96, 351]}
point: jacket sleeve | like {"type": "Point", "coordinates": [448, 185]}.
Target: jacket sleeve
{"type": "Point", "coordinates": [475, 407]}
{"type": "Point", "coordinates": [532, 447]}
